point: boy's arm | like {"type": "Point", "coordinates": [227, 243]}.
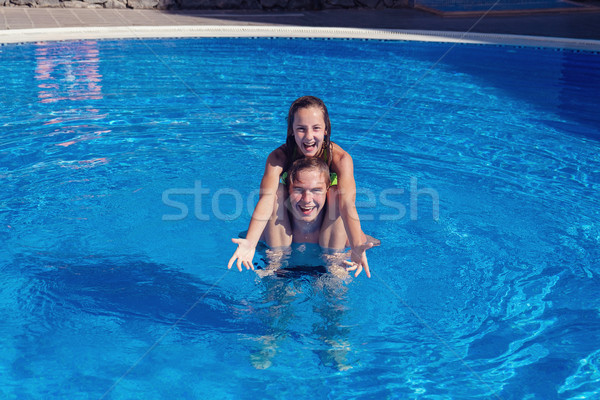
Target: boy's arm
{"type": "Point", "coordinates": [262, 212]}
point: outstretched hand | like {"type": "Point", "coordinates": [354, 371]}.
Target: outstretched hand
{"type": "Point", "coordinates": [244, 254]}
{"type": "Point", "coordinates": [358, 259]}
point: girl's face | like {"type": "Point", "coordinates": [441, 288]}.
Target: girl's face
{"type": "Point", "coordinates": [309, 130]}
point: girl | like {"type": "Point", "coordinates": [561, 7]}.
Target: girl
{"type": "Point", "coordinates": [308, 135]}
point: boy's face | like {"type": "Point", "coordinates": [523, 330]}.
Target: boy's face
{"type": "Point", "coordinates": [308, 193]}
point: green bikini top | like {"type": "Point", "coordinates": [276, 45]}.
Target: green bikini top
{"type": "Point", "coordinates": [332, 178]}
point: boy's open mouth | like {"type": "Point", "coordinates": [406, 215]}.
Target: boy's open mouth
{"type": "Point", "coordinates": [305, 209]}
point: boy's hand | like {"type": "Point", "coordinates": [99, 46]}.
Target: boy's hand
{"type": "Point", "coordinates": [244, 254]}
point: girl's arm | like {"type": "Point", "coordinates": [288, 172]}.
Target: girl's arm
{"type": "Point", "coordinates": [349, 214]}
{"type": "Point", "coordinates": [262, 213]}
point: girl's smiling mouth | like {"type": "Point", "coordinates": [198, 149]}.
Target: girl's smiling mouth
{"type": "Point", "coordinates": [310, 147]}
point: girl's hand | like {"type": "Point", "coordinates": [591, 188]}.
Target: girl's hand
{"type": "Point", "coordinates": [358, 259]}
{"type": "Point", "coordinates": [244, 254]}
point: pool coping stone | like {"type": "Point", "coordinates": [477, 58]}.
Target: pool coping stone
{"type": "Point", "coordinates": [567, 30]}
{"type": "Point", "coordinates": [190, 31]}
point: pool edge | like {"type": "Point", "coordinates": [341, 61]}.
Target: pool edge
{"type": "Point", "coordinates": [189, 31]}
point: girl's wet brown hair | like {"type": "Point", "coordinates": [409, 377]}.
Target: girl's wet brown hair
{"type": "Point", "coordinates": [290, 143]}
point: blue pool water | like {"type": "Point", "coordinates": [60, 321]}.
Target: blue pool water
{"type": "Point", "coordinates": [127, 166]}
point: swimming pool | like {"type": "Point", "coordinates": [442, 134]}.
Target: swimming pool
{"type": "Point", "coordinates": [128, 165]}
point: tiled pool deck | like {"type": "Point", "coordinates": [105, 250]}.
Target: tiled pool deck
{"type": "Point", "coordinates": [14, 20]}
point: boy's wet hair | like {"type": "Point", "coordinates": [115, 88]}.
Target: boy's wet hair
{"type": "Point", "coordinates": [290, 142]}
{"type": "Point", "coordinates": [308, 163]}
